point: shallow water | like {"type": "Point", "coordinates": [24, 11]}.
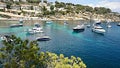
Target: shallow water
{"type": "Point", "coordinates": [96, 50]}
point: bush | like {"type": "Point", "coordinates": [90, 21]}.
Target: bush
{"type": "Point", "coordinates": [24, 54]}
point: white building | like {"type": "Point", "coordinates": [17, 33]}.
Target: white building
{"type": "Point", "coordinates": [2, 5]}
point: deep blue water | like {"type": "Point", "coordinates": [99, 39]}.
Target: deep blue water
{"type": "Point", "coordinates": [96, 50]}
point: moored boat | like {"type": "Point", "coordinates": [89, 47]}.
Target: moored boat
{"type": "Point", "coordinates": [108, 24]}
{"type": "Point", "coordinates": [118, 24]}
{"type": "Point", "coordinates": [88, 25]}
{"type": "Point", "coordinates": [79, 28]}
{"type": "Point", "coordinates": [48, 22]}
{"type": "Point", "coordinates": [43, 38]}
{"type": "Point", "coordinates": [98, 29]}
{"type": "Point", "coordinates": [16, 25]}
{"type": "Point", "coordinates": [36, 29]}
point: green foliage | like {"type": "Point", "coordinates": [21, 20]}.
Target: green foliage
{"type": "Point", "coordinates": [59, 4]}
{"type": "Point", "coordinates": [69, 9]}
{"type": "Point", "coordinates": [33, 1]}
{"type": "Point", "coordinates": [8, 5]}
{"type": "Point", "coordinates": [44, 8]}
{"type": "Point", "coordinates": [62, 12]}
{"type": "Point", "coordinates": [31, 7]}
{"type": "Point", "coordinates": [2, 10]}
{"type": "Point", "coordinates": [24, 54]}
{"type": "Point", "coordinates": [45, 1]}
{"type": "Point", "coordinates": [46, 13]}
{"type": "Point", "coordinates": [52, 7]}
{"type": "Point", "coordinates": [101, 10]}
{"type": "Point", "coordinates": [52, 12]}
{"type": "Point", "coordinates": [88, 9]}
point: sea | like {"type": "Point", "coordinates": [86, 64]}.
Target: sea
{"type": "Point", "coordinates": [96, 50]}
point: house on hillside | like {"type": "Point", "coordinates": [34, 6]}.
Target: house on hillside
{"type": "Point", "coordinates": [2, 5]}
{"type": "Point", "coordinates": [26, 7]}
{"type": "Point", "coordinates": [15, 7]}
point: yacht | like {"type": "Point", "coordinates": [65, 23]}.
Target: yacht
{"type": "Point", "coordinates": [98, 22]}
{"type": "Point", "coordinates": [36, 29]}
{"type": "Point", "coordinates": [79, 28]}
{"type": "Point", "coordinates": [118, 24]}
{"type": "Point", "coordinates": [43, 38]}
{"type": "Point", "coordinates": [98, 29]}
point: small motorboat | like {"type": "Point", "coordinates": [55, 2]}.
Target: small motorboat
{"type": "Point", "coordinates": [36, 29]}
{"type": "Point", "coordinates": [88, 25]}
{"type": "Point", "coordinates": [79, 28]}
{"type": "Point", "coordinates": [43, 38]}
{"type": "Point", "coordinates": [6, 38]}
{"type": "Point", "coordinates": [98, 29]}
{"type": "Point", "coordinates": [98, 22]}
{"type": "Point", "coordinates": [21, 21]}
{"type": "Point", "coordinates": [118, 24]}
{"type": "Point", "coordinates": [65, 23]}
{"type": "Point", "coordinates": [48, 22]}
{"type": "Point", "coordinates": [108, 24]}
{"type": "Point", "coordinates": [16, 25]}
{"type": "Point", "coordinates": [37, 25]}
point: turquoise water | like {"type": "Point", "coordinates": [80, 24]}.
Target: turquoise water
{"type": "Point", "coordinates": [96, 50]}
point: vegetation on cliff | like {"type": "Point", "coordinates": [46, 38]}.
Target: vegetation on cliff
{"type": "Point", "coordinates": [24, 54]}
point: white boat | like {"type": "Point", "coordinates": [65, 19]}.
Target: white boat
{"type": "Point", "coordinates": [6, 38]}
{"type": "Point", "coordinates": [79, 27]}
{"type": "Point", "coordinates": [21, 21]}
{"type": "Point", "coordinates": [43, 38]}
{"type": "Point", "coordinates": [48, 22]}
{"type": "Point", "coordinates": [36, 29]}
{"type": "Point", "coordinates": [98, 29]}
{"type": "Point", "coordinates": [20, 24]}
{"type": "Point", "coordinates": [118, 24]}
{"type": "Point", "coordinates": [98, 22]}
{"type": "Point", "coordinates": [108, 24]}
{"type": "Point", "coordinates": [3, 38]}
{"type": "Point", "coordinates": [88, 25]}
{"type": "Point", "coordinates": [65, 23]}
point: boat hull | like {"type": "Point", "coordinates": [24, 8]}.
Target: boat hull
{"type": "Point", "coordinates": [16, 25]}
{"type": "Point", "coordinates": [118, 24]}
{"type": "Point", "coordinates": [98, 31]}
{"type": "Point", "coordinates": [44, 38]}
{"type": "Point", "coordinates": [78, 30]}
{"type": "Point", "coordinates": [109, 26]}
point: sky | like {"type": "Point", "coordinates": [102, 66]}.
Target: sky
{"type": "Point", "coordinates": [114, 5]}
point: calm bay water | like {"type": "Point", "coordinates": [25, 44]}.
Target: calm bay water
{"type": "Point", "coordinates": [96, 50]}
